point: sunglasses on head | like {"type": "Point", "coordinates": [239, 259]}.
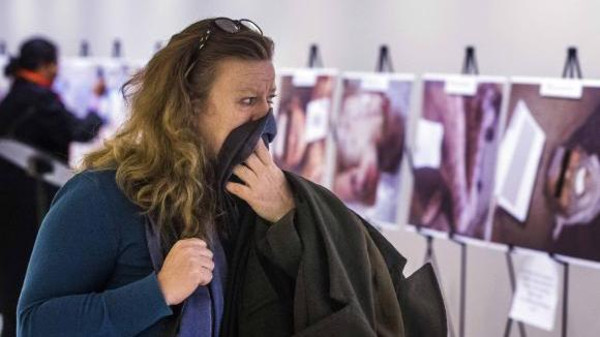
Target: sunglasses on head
{"type": "Point", "coordinates": [227, 25]}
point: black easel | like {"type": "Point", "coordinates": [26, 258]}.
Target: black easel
{"type": "Point", "coordinates": [116, 49]}
{"type": "Point", "coordinates": [565, 307]}
{"type": "Point", "coordinates": [463, 284]}
{"type": "Point", "coordinates": [469, 68]}
{"type": "Point", "coordinates": [384, 62]}
{"type": "Point", "coordinates": [314, 57]}
{"type": "Point", "coordinates": [572, 68]}
{"type": "Point", "coordinates": [511, 276]}
{"type": "Point", "coordinates": [470, 62]}
{"type": "Point", "coordinates": [84, 49]}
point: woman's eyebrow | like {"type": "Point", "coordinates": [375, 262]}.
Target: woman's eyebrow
{"type": "Point", "coordinates": [254, 90]}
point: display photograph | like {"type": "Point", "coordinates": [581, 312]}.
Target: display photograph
{"type": "Point", "coordinates": [304, 118]}
{"type": "Point", "coordinates": [548, 183]}
{"type": "Point", "coordinates": [370, 132]}
{"type": "Point", "coordinates": [455, 154]}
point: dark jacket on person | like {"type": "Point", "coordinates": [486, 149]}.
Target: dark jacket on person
{"type": "Point", "coordinates": [325, 272]}
{"type": "Point", "coordinates": [321, 270]}
{"type": "Point", "coordinates": [35, 115]}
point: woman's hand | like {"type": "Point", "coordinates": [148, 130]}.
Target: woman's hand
{"type": "Point", "coordinates": [265, 188]}
{"type": "Point", "coordinates": [188, 265]}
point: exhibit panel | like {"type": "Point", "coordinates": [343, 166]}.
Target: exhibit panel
{"type": "Point", "coordinates": [547, 195]}
{"type": "Point", "coordinates": [454, 154]}
{"type": "Point", "coordinates": [304, 117]}
{"type": "Point", "coordinates": [370, 141]}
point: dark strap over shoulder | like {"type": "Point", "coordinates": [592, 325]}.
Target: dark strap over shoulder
{"type": "Point", "coordinates": [170, 326]}
{"type": "Point", "coordinates": [154, 245]}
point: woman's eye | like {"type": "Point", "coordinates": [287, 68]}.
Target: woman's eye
{"type": "Point", "coordinates": [249, 100]}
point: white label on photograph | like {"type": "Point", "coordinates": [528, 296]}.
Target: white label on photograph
{"type": "Point", "coordinates": [317, 120]}
{"type": "Point", "coordinates": [375, 83]}
{"type": "Point", "coordinates": [428, 146]}
{"type": "Point", "coordinates": [536, 295]}
{"type": "Point", "coordinates": [461, 85]}
{"type": "Point", "coordinates": [304, 78]}
{"type": "Point", "coordinates": [279, 141]}
{"type": "Point", "coordinates": [562, 88]}
{"type": "Point", "coordinates": [518, 161]}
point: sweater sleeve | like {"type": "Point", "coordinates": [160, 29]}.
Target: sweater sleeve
{"type": "Point", "coordinates": [58, 117]}
{"type": "Point", "coordinates": [74, 255]}
{"type": "Point", "coordinates": [280, 243]}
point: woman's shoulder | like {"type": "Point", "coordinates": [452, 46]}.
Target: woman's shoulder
{"type": "Point", "coordinates": [92, 182]}
{"type": "Point", "coordinates": [92, 199]}
{"type": "Point", "coordinates": [99, 186]}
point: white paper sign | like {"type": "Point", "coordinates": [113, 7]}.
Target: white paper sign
{"type": "Point", "coordinates": [375, 83]}
{"type": "Point", "coordinates": [536, 297]}
{"type": "Point", "coordinates": [428, 147]}
{"type": "Point", "coordinates": [562, 88]}
{"type": "Point", "coordinates": [304, 78]}
{"type": "Point", "coordinates": [317, 120]}
{"type": "Point", "coordinates": [461, 85]}
{"type": "Point", "coordinates": [279, 141]}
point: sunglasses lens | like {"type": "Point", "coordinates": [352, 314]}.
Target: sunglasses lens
{"type": "Point", "coordinates": [227, 25]}
{"type": "Point", "coordinates": [251, 25]}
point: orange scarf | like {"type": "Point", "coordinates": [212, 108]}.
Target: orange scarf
{"type": "Point", "coordinates": [35, 77]}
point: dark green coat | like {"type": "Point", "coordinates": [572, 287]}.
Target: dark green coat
{"type": "Point", "coordinates": [324, 271]}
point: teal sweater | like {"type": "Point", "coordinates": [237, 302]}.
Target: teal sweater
{"type": "Point", "coordinates": [90, 273]}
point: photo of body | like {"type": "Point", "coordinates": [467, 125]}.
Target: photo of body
{"type": "Point", "coordinates": [455, 154]}
{"type": "Point", "coordinates": [304, 117]}
{"type": "Point", "coordinates": [370, 140]}
{"type": "Point", "coordinates": [548, 195]}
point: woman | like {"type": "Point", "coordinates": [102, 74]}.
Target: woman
{"type": "Point", "coordinates": [91, 273]}
{"type": "Point", "coordinates": [183, 225]}
{"type": "Point", "coordinates": [32, 120]}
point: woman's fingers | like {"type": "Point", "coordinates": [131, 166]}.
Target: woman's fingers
{"type": "Point", "coordinates": [239, 190]}
{"type": "Point", "coordinates": [245, 174]}
{"type": "Point", "coordinates": [254, 163]}
{"type": "Point", "coordinates": [263, 153]}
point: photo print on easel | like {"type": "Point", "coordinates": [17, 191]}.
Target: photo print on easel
{"type": "Point", "coordinates": [303, 112]}
{"type": "Point", "coordinates": [455, 151]}
{"type": "Point", "coordinates": [370, 136]}
{"type": "Point", "coordinates": [548, 177]}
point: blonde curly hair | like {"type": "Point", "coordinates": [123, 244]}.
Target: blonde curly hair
{"type": "Point", "coordinates": [161, 160]}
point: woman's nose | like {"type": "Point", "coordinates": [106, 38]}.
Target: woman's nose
{"type": "Point", "coordinates": [261, 110]}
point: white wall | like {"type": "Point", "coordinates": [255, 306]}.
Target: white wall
{"type": "Point", "coordinates": [527, 37]}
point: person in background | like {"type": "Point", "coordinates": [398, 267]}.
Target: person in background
{"type": "Point", "coordinates": [32, 113]}
{"type": "Point", "coordinates": [32, 120]}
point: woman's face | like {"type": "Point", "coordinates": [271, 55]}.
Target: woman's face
{"type": "Point", "coordinates": [242, 92]}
